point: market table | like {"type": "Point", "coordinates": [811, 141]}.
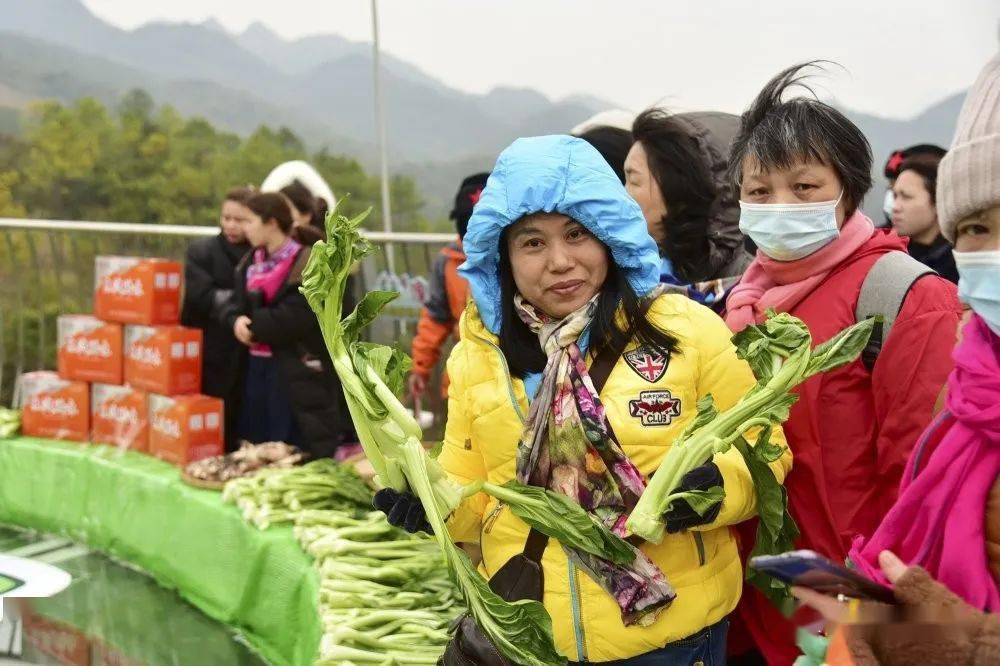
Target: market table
{"type": "Point", "coordinates": [135, 508]}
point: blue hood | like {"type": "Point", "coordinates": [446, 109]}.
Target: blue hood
{"type": "Point", "coordinates": [555, 174]}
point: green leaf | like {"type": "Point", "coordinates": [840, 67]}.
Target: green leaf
{"type": "Point", "coordinates": [564, 520]}
{"type": "Point", "coordinates": [776, 530]}
{"type": "Point", "coordinates": [765, 450]}
{"type": "Point", "coordinates": [706, 414]}
{"type": "Point", "coordinates": [521, 630]}
{"type": "Point", "coordinates": [700, 501]}
{"type": "Point", "coordinates": [842, 348]}
{"type": "Point", "coordinates": [365, 313]}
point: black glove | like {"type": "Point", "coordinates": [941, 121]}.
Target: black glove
{"type": "Point", "coordinates": [681, 516]}
{"type": "Point", "coordinates": [402, 510]}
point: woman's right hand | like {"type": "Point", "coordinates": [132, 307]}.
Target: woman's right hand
{"type": "Point", "coordinates": [241, 329]}
{"type": "Point", "coordinates": [402, 509]}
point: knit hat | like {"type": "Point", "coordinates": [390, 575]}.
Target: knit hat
{"type": "Point", "coordinates": [969, 175]}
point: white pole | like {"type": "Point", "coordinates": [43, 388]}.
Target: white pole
{"type": "Point", "coordinates": [380, 128]}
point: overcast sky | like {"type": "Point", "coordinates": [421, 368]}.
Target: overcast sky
{"type": "Point", "coordinates": [900, 55]}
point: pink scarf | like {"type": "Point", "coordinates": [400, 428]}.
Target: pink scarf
{"type": "Point", "coordinates": [938, 520]}
{"type": "Point", "coordinates": [266, 274]}
{"type": "Point", "coordinates": [781, 285]}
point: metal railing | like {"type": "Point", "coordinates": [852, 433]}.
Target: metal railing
{"type": "Point", "coordinates": [47, 269]}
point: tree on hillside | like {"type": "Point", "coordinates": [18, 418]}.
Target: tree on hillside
{"type": "Point", "coordinates": [140, 163]}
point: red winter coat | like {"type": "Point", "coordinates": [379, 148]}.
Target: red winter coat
{"type": "Point", "coordinates": [852, 430]}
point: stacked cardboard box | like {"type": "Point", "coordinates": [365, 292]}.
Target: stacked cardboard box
{"type": "Point", "coordinates": [129, 375]}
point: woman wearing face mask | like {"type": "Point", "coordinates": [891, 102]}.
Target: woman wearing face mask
{"type": "Point", "coordinates": [290, 392]}
{"type": "Point", "coordinates": [914, 215]}
{"type": "Point", "coordinates": [802, 168]}
{"type": "Point", "coordinates": [676, 171]}
{"type": "Point", "coordinates": [947, 518]}
{"type": "Point", "coordinates": [564, 278]}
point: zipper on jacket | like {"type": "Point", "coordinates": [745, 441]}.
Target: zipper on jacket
{"type": "Point", "coordinates": [699, 543]}
{"type": "Point", "coordinates": [506, 372]}
{"type": "Point", "coordinates": [576, 605]}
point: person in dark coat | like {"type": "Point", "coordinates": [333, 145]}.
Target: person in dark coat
{"type": "Point", "coordinates": [676, 172]}
{"type": "Point", "coordinates": [914, 215]}
{"type": "Point", "coordinates": [208, 278]}
{"type": "Point", "coordinates": [290, 391]}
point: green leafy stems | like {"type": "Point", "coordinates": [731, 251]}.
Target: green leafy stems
{"type": "Point", "coordinates": [780, 355]}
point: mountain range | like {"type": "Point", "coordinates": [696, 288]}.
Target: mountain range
{"type": "Point", "coordinates": [319, 86]}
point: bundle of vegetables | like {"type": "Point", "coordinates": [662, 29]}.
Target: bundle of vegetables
{"type": "Point", "coordinates": [277, 494]}
{"type": "Point", "coordinates": [385, 595]}
{"type": "Point", "coordinates": [372, 376]}
{"type": "Point", "coordinates": [10, 422]}
{"type": "Point", "coordinates": [781, 355]}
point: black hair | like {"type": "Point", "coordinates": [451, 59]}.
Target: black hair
{"type": "Point", "coordinates": [778, 134]}
{"type": "Point", "coordinates": [925, 166]}
{"type": "Point", "coordinates": [271, 206]}
{"type": "Point", "coordinates": [679, 168]}
{"type": "Point", "coordinates": [301, 197]}
{"type": "Point", "coordinates": [521, 349]}
{"type": "Point", "coordinates": [466, 199]}
{"type": "Point", "coordinates": [613, 143]}
{"type": "Point", "coordinates": [240, 194]}
{"type": "Point", "coordinates": [923, 150]}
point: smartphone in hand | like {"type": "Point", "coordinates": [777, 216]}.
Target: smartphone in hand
{"type": "Point", "coordinates": [805, 568]}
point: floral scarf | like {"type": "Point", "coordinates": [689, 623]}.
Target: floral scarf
{"type": "Point", "coordinates": [568, 448]}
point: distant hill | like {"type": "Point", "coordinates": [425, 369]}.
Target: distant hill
{"type": "Point", "coordinates": [319, 86]}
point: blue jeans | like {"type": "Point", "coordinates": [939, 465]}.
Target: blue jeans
{"type": "Point", "coordinates": [706, 648]}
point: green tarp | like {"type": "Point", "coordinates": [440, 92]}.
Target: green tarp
{"type": "Point", "coordinates": [135, 508]}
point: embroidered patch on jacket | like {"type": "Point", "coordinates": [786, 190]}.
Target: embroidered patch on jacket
{"type": "Point", "coordinates": [655, 408]}
{"type": "Point", "coordinates": [647, 364]}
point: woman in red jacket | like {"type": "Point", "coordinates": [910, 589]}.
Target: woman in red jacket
{"type": "Point", "coordinates": [802, 170]}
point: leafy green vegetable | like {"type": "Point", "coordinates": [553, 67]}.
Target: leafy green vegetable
{"type": "Point", "coordinates": [562, 519]}
{"type": "Point", "coordinates": [10, 422]}
{"type": "Point", "coordinates": [776, 529]}
{"type": "Point", "coordinates": [778, 351]}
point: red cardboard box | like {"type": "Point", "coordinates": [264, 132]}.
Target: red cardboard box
{"type": "Point", "coordinates": [163, 359]}
{"type": "Point", "coordinates": [89, 350]}
{"type": "Point", "coordinates": [54, 407]}
{"type": "Point", "coordinates": [119, 415]}
{"type": "Point", "coordinates": [137, 290]}
{"type": "Point", "coordinates": [185, 428]}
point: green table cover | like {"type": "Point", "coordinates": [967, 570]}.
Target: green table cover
{"type": "Point", "coordinates": [136, 508]}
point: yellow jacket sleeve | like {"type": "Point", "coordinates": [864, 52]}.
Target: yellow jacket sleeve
{"type": "Point", "coordinates": [460, 458]}
{"type": "Point", "coordinates": [728, 378]}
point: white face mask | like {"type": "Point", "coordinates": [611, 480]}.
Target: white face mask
{"type": "Point", "coordinates": [787, 232]}
{"type": "Point", "coordinates": [887, 204]}
{"type": "Point", "coordinates": [979, 284]}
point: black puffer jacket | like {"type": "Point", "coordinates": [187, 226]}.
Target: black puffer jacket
{"type": "Point", "coordinates": [290, 328]}
{"type": "Point", "coordinates": [714, 131]}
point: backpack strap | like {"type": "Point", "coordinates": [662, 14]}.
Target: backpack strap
{"type": "Point", "coordinates": [882, 293]}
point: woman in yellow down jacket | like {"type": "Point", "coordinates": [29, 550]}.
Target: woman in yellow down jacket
{"type": "Point", "coordinates": [561, 267]}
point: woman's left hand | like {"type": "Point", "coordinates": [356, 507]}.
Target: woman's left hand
{"type": "Point", "coordinates": [837, 611]}
{"type": "Point", "coordinates": [681, 516]}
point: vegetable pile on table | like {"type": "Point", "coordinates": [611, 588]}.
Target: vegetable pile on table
{"type": "Point", "coordinates": [277, 495]}
{"type": "Point", "coordinates": [10, 422]}
{"type": "Point", "coordinates": [385, 595]}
